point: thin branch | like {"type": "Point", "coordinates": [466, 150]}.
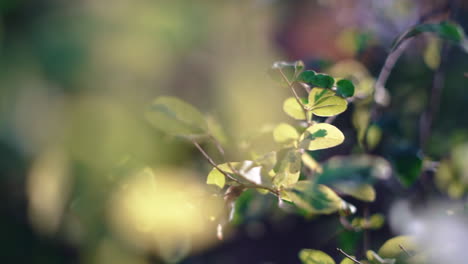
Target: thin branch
{"type": "Point", "coordinates": [211, 161]}
{"type": "Point", "coordinates": [221, 151]}
{"type": "Point", "coordinates": [252, 184]}
{"type": "Point", "coordinates": [348, 256]}
{"type": "Point", "coordinates": [298, 99]}
{"type": "Point", "coordinates": [427, 118]}
{"type": "Point", "coordinates": [380, 92]}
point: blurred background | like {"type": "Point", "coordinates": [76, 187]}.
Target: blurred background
{"type": "Point", "coordinates": [84, 178]}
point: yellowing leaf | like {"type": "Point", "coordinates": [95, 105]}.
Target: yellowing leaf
{"type": "Point", "coordinates": [315, 199]}
{"type": "Point", "coordinates": [292, 108]}
{"type": "Point", "coordinates": [321, 136]}
{"type": "Point", "coordinates": [215, 177]}
{"type": "Point", "coordinates": [285, 134]}
{"type": "Point", "coordinates": [373, 137]}
{"type": "Point", "coordinates": [391, 248]}
{"type": "Point", "coordinates": [324, 102]}
{"type": "Point", "coordinates": [347, 261]}
{"type": "Point", "coordinates": [176, 117]}
{"type": "Point", "coordinates": [363, 192]}
{"type": "Point", "coordinates": [312, 256]}
{"type": "Point", "coordinates": [376, 221]}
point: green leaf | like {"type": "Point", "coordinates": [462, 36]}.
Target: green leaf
{"type": "Point", "coordinates": [392, 250]}
{"type": "Point", "coordinates": [446, 30]}
{"type": "Point", "coordinates": [289, 169]}
{"type": "Point", "coordinates": [321, 136]}
{"type": "Point", "coordinates": [317, 80]}
{"type": "Point", "coordinates": [312, 256]}
{"type": "Point", "coordinates": [359, 168]}
{"type": "Point", "coordinates": [215, 177]}
{"type": "Point", "coordinates": [361, 191]}
{"type": "Point", "coordinates": [345, 88]}
{"type": "Point", "coordinates": [324, 102]}
{"type": "Point", "coordinates": [408, 165]}
{"type": "Point", "coordinates": [285, 134]}
{"type": "Point", "coordinates": [313, 198]}
{"type": "Point", "coordinates": [292, 108]}
{"type": "Point", "coordinates": [306, 76]}
{"type": "Point", "coordinates": [176, 117]}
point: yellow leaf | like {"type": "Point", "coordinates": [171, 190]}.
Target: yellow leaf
{"type": "Point", "coordinates": [292, 108]}
{"type": "Point", "coordinates": [321, 136]}
{"type": "Point", "coordinates": [324, 102]}
{"type": "Point", "coordinates": [285, 134]}
{"type": "Point", "coordinates": [312, 256]}
{"type": "Point", "coordinates": [363, 192]}
{"type": "Point", "coordinates": [215, 177]}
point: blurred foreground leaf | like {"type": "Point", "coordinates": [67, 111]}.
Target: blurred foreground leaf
{"type": "Point", "coordinates": [312, 256]}
{"type": "Point", "coordinates": [176, 117]}
{"type": "Point", "coordinates": [446, 30]}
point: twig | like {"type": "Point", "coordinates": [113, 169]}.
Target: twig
{"type": "Point", "coordinates": [252, 184]}
{"type": "Point", "coordinates": [211, 161]}
{"type": "Point", "coordinates": [221, 151]}
{"type": "Point", "coordinates": [298, 99]}
{"type": "Point", "coordinates": [349, 256]}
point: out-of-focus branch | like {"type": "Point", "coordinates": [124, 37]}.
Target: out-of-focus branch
{"type": "Point", "coordinates": [427, 118]}
{"type": "Point", "coordinates": [380, 94]}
